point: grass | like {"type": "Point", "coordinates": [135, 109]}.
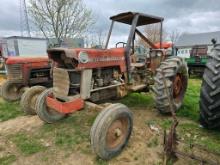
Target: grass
{"type": "Point", "coordinates": [153, 142]}
{"type": "Point", "coordinates": [190, 107]}
{"type": "Point", "coordinates": [26, 144]}
{"type": "Point", "coordinates": [6, 160]}
{"type": "Point", "coordinates": [192, 133]}
{"type": "Point", "coordinates": [99, 161]}
{"type": "Point", "coordinates": [138, 100]}
{"type": "Point", "coordinates": [72, 133]}
{"type": "Point", "coordinates": [9, 110]}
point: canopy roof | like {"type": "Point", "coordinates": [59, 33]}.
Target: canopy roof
{"type": "Point", "coordinates": [144, 19]}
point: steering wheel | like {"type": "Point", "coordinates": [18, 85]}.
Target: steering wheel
{"type": "Point", "coordinates": [123, 43]}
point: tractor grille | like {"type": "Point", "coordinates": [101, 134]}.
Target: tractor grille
{"type": "Point", "coordinates": [14, 72]}
{"type": "Point", "coordinates": [61, 83]}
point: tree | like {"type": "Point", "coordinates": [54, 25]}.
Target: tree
{"type": "Point", "coordinates": [174, 36]}
{"type": "Point", "coordinates": [96, 38]}
{"type": "Point", "coordinates": [152, 32]}
{"type": "Point", "coordinates": [60, 18]}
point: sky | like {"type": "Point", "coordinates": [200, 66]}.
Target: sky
{"type": "Point", "coordinates": [190, 16]}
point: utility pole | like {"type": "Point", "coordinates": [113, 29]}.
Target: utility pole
{"type": "Point", "coordinates": [24, 22]}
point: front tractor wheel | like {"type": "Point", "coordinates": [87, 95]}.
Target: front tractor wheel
{"type": "Point", "coordinates": [28, 99]}
{"type": "Point", "coordinates": [175, 73]}
{"type": "Point", "coordinates": [45, 113]}
{"type": "Point", "coordinates": [12, 90]}
{"type": "Point", "coordinates": [111, 131]}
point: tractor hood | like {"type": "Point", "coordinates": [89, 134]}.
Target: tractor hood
{"type": "Point", "coordinates": [83, 55]}
{"type": "Point", "coordinates": [88, 58]}
{"type": "Point", "coordinates": [22, 60]}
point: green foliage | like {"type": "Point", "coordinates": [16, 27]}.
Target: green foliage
{"type": "Point", "coordinates": [165, 123]}
{"type": "Point", "coordinates": [9, 110]}
{"type": "Point", "coordinates": [193, 133]}
{"type": "Point", "coordinates": [154, 142]}
{"type": "Point", "coordinates": [99, 161]}
{"type": "Point", "coordinates": [72, 132]}
{"type": "Point", "coordinates": [6, 160]}
{"type": "Point", "coordinates": [190, 108]}
{"type": "Point", "coordinates": [138, 100]}
{"type": "Point", "coordinates": [27, 144]}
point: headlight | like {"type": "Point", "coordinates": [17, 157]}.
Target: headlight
{"type": "Point", "coordinates": [83, 57]}
{"type": "Point", "coordinates": [159, 54]}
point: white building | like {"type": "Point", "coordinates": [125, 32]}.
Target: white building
{"type": "Point", "coordinates": [187, 41]}
{"type": "Point", "coordinates": [26, 46]}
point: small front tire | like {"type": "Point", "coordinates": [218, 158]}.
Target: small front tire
{"type": "Point", "coordinates": [28, 99]}
{"type": "Point", "coordinates": [111, 131]}
{"type": "Point", "coordinates": [45, 113]}
{"type": "Point", "coordinates": [11, 90]}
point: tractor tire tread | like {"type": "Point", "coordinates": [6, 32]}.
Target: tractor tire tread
{"type": "Point", "coordinates": [210, 94]}
{"type": "Point", "coordinates": [26, 99]}
{"type": "Point", "coordinates": [173, 64]}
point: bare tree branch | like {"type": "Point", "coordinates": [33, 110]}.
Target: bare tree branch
{"type": "Point", "coordinates": [152, 32]}
{"type": "Point", "coordinates": [174, 36]}
{"type": "Point", "coordinates": [60, 18]}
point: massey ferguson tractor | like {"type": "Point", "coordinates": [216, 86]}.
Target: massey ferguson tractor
{"type": "Point", "coordinates": [210, 91]}
{"type": "Point", "coordinates": [96, 75]}
{"type": "Point", "coordinates": [23, 72]}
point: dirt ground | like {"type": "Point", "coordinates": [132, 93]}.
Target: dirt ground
{"type": "Point", "coordinates": [145, 145]}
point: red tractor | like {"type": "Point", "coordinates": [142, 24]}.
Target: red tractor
{"type": "Point", "coordinates": [24, 72]}
{"type": "Point", "coordinates": [99, 74]}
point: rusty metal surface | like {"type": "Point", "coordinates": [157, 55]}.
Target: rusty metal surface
{"type": "Point", "coordinates": [117, 133]}
{"type": "Point", "coordinates": [61, 82]}
{"type": "Point", "coordinates": [178, 87]}
{"type": "Point", "coordinates": [14, 72]}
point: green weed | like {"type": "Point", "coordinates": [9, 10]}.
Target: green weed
{"type": "Point", "coordinates": [27, 145]}
{"type": "Point", "coordinates": [9, 110]}
{"type": "Point", "coordinates": [6, 160]}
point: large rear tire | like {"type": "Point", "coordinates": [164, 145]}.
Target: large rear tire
{"type": "Point", "coordinates": [28, 99]}
{"type": "Point", "coordinates": [12, 90]}
{"type": "Point", "coordinates": [174, 70]}
{"type": "Point", "coordinates": [45, 113]}
{"type": "Point", "coordinates": [111, 131]}
{"type": "Point", "coordinates": [210, 92]}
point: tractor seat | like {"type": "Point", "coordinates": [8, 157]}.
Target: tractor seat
{"type": "Point", "coordinates": [138, 65]}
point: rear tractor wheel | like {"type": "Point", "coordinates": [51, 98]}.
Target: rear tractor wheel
{"type": "Point", "coordinates": [45, 113]}
{"type": "Point", "coordinates": [12, 90]}
{"type": "Point", "coordinates": [111, 131]}
{"type": "Point", "coordinates": [210, 92]}
{"type": "Point", "coordinates": [29, 98]}
{"type": "Point", "coordinates": [174, 72]}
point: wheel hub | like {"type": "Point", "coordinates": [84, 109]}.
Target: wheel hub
{"type": "Point", "coordinates": [13, 90]}
{"type": "Point", "coordinates": [178, 86]}
{"type": "Point", "coordinates": [116, 133]}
